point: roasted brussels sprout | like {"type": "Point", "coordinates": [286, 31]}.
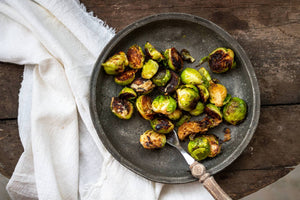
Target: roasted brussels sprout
{"type": "Point", "coordinates": [187, 98]}
{"type": "Point", "coordinates": [125, 78]}
{"type": "Point", "coordinates": [191, 76]}
{"type": "Point", "coordinates": [144, 106]}
{"type": "Point", "coordinates": [184, 118]}
{"type": "Point", "coordinates": [164, 104]}
{"type": "Point", "coordinates": [116, 64]}
{"type": "Point", "coordinates": [198, 110]}
{"type": "Point", "coordinates": [217, 94]}
{"type": "Point", "coordinates": [135, 57]}
{"type": "Point", "coordinates": [235, 111]}
{"type": "Point", "coordinates": [227, 99]}
{"type": "Point", "coordinates": [203, 92]}
{"type": "Point", "coordinates": [188, 128]}
{"type": "Point", "coordinates": [215, 147]}
{"type": "Point", "coordinates": [199, 148]}
{"type": "Point", "coordinates": [142, 86]}
{"type": "Point", "coordinates": [205, 73]}
{"type": "Point", "coordinates": [173, 59]}
{"type": "Point", "coordinates": [172, 85]}
{"type": "Point", "coordinates": [175, 115]}
{"type": "Point", "coordinates": [127, 93]}
{"type": "Point", "coordinates": [152, 53]}
{"type": "Point", "coordinates": [220, 60]}
{"type": "Point", "coordinates": [162, 125]}
{"type": "Point", "coordinates": [185, 55]}
{"type": "Point", "coordinates": [149, 69]}
{"type": "Point", "coordinates": [152, 140]}
{"type": "Point", "coordinates": [213, 111]}
{"type": "Point", "coordinates": [121, 108]}
{"type": "Point", "coordinates": [162, 77]}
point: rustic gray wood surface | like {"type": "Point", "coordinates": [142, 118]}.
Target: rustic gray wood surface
{"type": "Point", "coordinates": [268, 30]}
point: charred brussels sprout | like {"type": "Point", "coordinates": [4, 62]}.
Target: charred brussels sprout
{"type": "Point", "coordinates": [162, 77]}
{"type": "Point", "coordinates": [183, 119]}
{"type": "Point", "coordinates": [162, 125]}
{"type": "Point", "coordinates": [215, 147]}
{"type": "Point", "coordinates": [217, 94]}
{"type": "Point", "coordinates": [125, 78]}
{"type": "Point", "coordinates": [116, 64]}
{"type": "Point", "coordinates": [121, 108]}
{"type": "Point", "coordinates": [152, 53]}
{"type": "Point", "coordinates": [203, 92]}
{"type": "Point", "coordinates": [152, 140]}
{"type": "Point", "coordinates": [172, 84]}
{"type": "Point", "coordinates": [198, 110]}
{"type": "Point", "coordinates": [185, 55]}
{"type": "Point", "coordinates": [213, 111]}
{"type": "Point", "coordinates": [191, 76]}
{"type": "Point", "coordinates": [175, 115]}
{"type": "Point", "coordinates": [199, 148]}
{"type": "Point", "coordinates": [173, 59]}
{"type": "Point", "coordinates": [142, 86]}
{"type": "Point", "coordinates": [164, 104]}
{"type": "Point", "coordinates": [135, 57]}
{"type": "Point", "coordinates": [127, 93]}
{"type": "Point", "coordinates": [144, 106]}
{"type": "Point", "coordinates": [187, 98]}
{"type": "Point", "coordinates": [220, 60]}
{"type": "Point", "coordinates": [235, 111]}
{"type": "Point", "coordinates": [149, 69]}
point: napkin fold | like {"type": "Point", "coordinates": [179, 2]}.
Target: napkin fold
{"type": "Point", "coordinates": [63, 158]}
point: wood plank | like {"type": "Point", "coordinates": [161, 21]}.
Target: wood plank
{"type": "Point", "coordinates": [271, 154]}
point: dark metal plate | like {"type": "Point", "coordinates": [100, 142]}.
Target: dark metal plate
{"type": "Point", "coordinates": [121, 137]}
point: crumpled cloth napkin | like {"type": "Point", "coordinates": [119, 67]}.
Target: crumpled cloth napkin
{"type": "Point", "coordinates": [63, 158]}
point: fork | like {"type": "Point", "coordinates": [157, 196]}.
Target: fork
{"type": "Point", "coordinates": [198, 170]}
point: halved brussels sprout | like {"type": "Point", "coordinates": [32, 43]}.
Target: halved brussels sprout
{"type": "Point", "coordinates": [162, 77]}
{"type": "Point", "coordinates": [185, 55]}
{"type": "Point", "coordinates": [198, 110]}
{"type": "Point", "coordinates": [191, 76]}
{"type": "Point", "coordinates": [213, 111]}
{"type": "Point", "coordinates": [220, 60]}
{"type": "Point", "coordinates": [164, 104]}
{"type": "Point", "coordinates": [152, 140]}
{"type": "Point", "coordinates": [149, 69]}
{"type": "Point", "coordinates": [205, 73]}
{"type": "Point", "coordinates": [199, 148]}
{"type": "Point", "coordinates": [152, 53]}
{"type": "Point", "coordinates": [203, 92]}
{"type": "Point", "coordinates": [217, 94]}
{"type": "Point", "coordinates": [121, 108]}
{"type": "Point", "coordinates": [173, 59]}
{"type": "Point", "coordinates": [135, 57]}
{"type": "Point", "coordinates": [125, 78]}
{"type": "Point", "coordinates": [115, 64]}
{"type": "Point", "coordinates": [175, 115]}
{"type": "Point", "coordinates": [187, 98]}
{"type": "Point", "coordinates": [188, 128]}
{"type": "Point", "coordinates": [235, 111]}
{"type": "Point", "coordinates": [183, 119]}
{"type": "Point", "coordinates": [142, 86]}
{"type": "Point", "coordinates": [227, 99]}
{"type": "Point", "coordinates": [162, 125]}
{"type": "Point", "coordinates": [172, 85]}
{"type": "Point", "coordinates": [215, 147]}
{"type": "Point", "coordinates": [144, 106]}
{"type": "Point", "coordinates": [127, 93]}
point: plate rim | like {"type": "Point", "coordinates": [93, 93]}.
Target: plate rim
{"type": "Point", "coordinates": [218, 30]}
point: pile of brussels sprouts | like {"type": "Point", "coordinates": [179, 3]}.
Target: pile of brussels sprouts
{"type": "Point", "coordinates": [183, 93]}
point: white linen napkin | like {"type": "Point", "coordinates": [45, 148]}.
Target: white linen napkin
{"type": "Point", "coordinates": [63, 158]}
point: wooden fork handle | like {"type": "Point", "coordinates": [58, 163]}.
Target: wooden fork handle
{"type": "Point", "coordinates": [198, 170]}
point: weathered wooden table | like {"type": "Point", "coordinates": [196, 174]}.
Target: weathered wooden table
{"type": "Point", "coordinates": [268, 30]}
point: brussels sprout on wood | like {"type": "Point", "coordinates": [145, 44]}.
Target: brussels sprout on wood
{"type": "Point", "coordinates": [185, 55]}
{"type": "Point", "coordinates": [121, 108]}
{"type": "Point", "coordinates": [142, 86]}
{"type": "Point", "coordinates": [149, 69]}
{"type": "Point", "coordinates": [191, 76]}
{"type": "Point", "coordinates": [152, 53]}
{"type": "Point", "coordinates": [125, 78]}
{"type": "Point", "coordinates": [135, 57]}
{"type": "Point", "coordinates": [164, 104]}
{"type": "Point", "coordinates": [173, 59]}
{"type": "Point", "coordinates": [187, 98]}
{"type": "Point", "coordinates": [162, 125]}
{"type": "Point", "coordinates": [162, 77]}
{"type": "Point", "coordinates": [217, 93]}
{"type": "Point", "coordinates": [144, 106]}
{"type": "Point", "coordinates": [115, 64]}
{"type": "Point", "coordinates": [152, 140]}
{"type": "Point", "coordinates": [235, 111]}
{"type": "Point", "coordinates": [199, 148]}
{"type": "Point", "coordinates": [127, 93]}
